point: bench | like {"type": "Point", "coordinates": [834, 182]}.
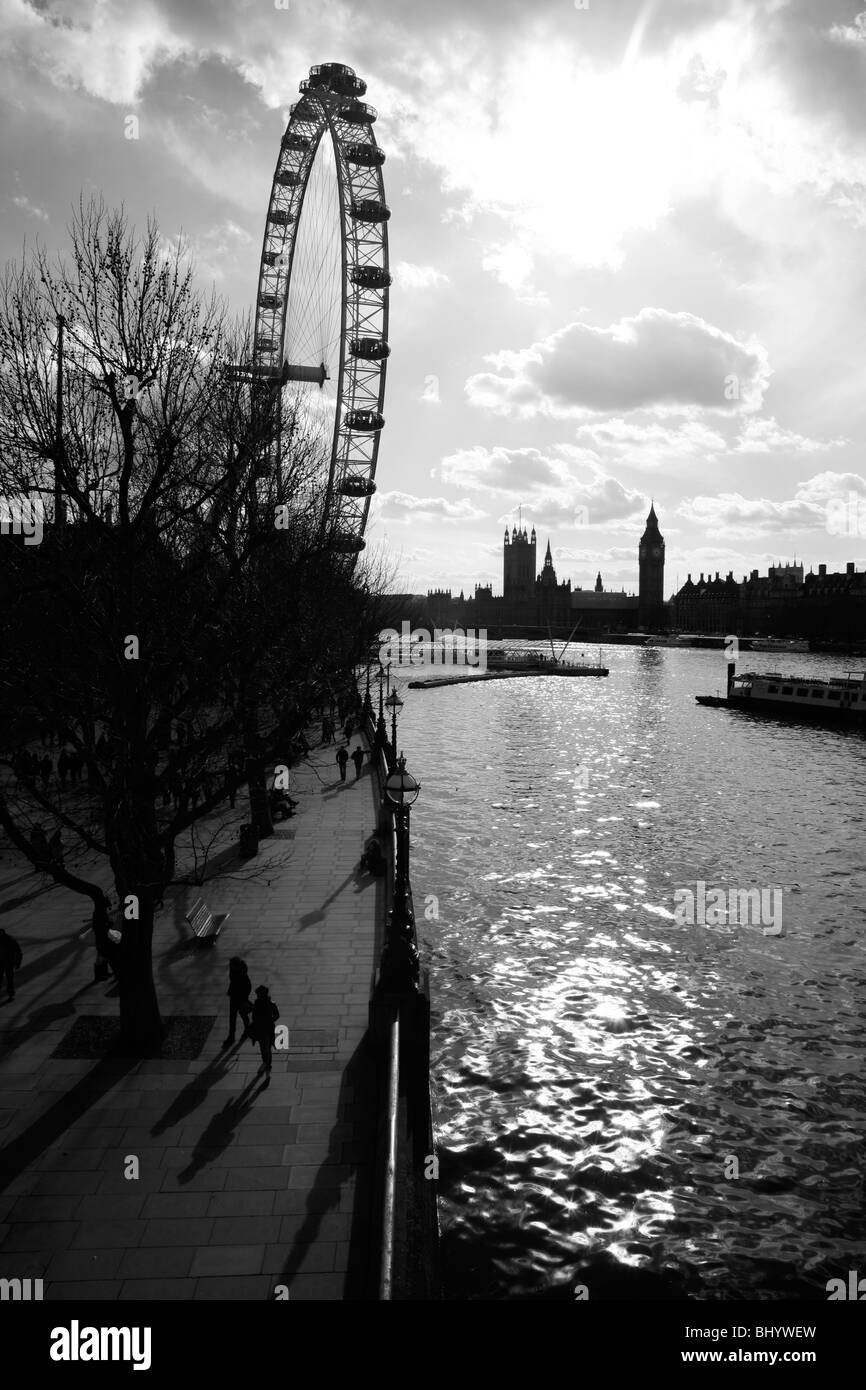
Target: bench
{"type": "Point", "coordinates": [203, 924]}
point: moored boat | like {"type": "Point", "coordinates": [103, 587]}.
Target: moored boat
{"type": "Point", "coordinates": [839, 700]}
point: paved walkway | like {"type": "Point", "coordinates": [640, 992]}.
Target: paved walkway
{"type": "Point", "coordinates": [245, 1182]}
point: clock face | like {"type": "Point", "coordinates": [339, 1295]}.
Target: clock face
{"type": "Point", "coordinates": [657, 552]}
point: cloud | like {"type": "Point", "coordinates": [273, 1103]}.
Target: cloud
{"type": "Point", "coordinates": [547, 485]}
{"type": "Point", "coordinates": [850, 33]}
{"type": "Point", "coordinates": [107, 50]}
{"type": "Point", "coordinates": [656, 360]}
{"type": "Point", "coordinates": [418, 277]}
{"type": "Point", "coordinates": [512, 264]}
{"type": "Point", "coordinates": [732, 515]}
{"type": "Point", "coordinates": [647, 442]}
{"type": "Point", "coordinates": [23, 202]}
{"type": "Point", "coordinates": [765, 436]}
{"type": "Point", "coordinates": [402, 506]}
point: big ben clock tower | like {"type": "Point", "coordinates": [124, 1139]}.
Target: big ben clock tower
{"type": "Point", "coordinates": [651, 572]}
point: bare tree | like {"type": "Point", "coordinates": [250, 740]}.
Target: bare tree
{"type": "Point", "coordinates": [170, 615]}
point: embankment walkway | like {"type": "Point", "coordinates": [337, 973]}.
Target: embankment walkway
{"type": "Point", "coordinates": [245, 1182]}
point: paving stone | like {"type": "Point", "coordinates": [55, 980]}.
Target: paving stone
{"type": "Point", "coordinates": [177, 1231]}
{"type": "Point", "coordinates": [103, 1234]}
{"type": "Point", "coordinates": [108, 1208]}
{"type": "Point", "coordinates": [40, 1235]}
{"type": "Point", "coordinates": [101, 1290]}
{"type": "Point", "coordinates": [289, 1260]}
{"type": "Point", "coordinates": [244, 1230]}
{"type": "Point", "coordinates": [316, 1287]}
{"type": "Point", "coordinates": [157, 1262]}
{"type": "Point", "coordinates": [84, 1264]}
{"type": "Point", "coordinates": [242, 1203]}
{"type": "Point", "coordinates": [207, 1180]}
{"type": "Point", "coordinates": [314, 1226]}
{"type": "Point", "coordinates": [42, 1208]}
{"type": "Point", "coordinates": [163, 1205]}
{"type": "Point", "coordinates": [235, 1289]}
{"type": "Point", "coordinates": [256, 1179]}
{"type": "Point", "coordinates": [158, 1290]}
{"type": "Point", "coordinates": [214, 1260]}
{"type": "Point", "coordinates": [115, 1184]}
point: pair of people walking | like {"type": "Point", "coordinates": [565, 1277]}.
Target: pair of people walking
{"type": "Point", "coordinates": [343, 759]}
{"type": "Point", "coordinates": [259, 1019]}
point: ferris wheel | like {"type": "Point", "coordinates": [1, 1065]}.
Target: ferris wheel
{"type": "Point", "coordinates": [321, 320]}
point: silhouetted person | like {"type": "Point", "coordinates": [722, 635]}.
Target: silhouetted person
{"type": "Point", "coordinates": [358, 760]}
{"type": "Point", "coordinates": [46, 767]}
{"type": "Point", "coordinates": [263, 1024]}
{"type": "Point", "coordinates": [373, 860]}
{"type": "Point", "coordinates": [231, 785]}
{"type": "Point", "coordinates": [56, 851]}
{"type": "Point", "coordinates": [342, 759]}
{"type": "Point", "coordinates": [239, 991]}
{"type": "Point", "coordinates": [348, 729]}
{"type": "Point", "coordinates": [10, 961]}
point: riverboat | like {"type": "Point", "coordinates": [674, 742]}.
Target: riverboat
{"type": "Point", "coordinates": [840, 700]}
{"type": "Point", "coordinates": [776, 644]}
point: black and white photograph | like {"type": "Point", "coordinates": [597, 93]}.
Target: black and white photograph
{"type": "Point", "coordinates": [432, 669]}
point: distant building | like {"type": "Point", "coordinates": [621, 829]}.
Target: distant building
{"type": "Point", "coordinates": [782, 603]}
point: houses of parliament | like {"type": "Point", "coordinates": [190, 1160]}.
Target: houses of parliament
{"type": "Point", "coordinates": [533, 600]}
{"type": "Point", "coordinates": [785, 602]}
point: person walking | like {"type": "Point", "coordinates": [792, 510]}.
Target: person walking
{"type": "Point", "coordinates": [10, 961]}
{"type": "Point", "coordinates": [348, 729]}
{"type": "Point", "coordinates": [358, 760]}
{"type": "Point", "coordinates": [342, 759]}
{"type": "Point", "coordinates": [263, 1025]}
{"type": "Point", "coordinates": [239, 991]}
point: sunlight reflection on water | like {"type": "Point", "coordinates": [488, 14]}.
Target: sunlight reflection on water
{"type": "Point", "coordinates": [596, 1064]}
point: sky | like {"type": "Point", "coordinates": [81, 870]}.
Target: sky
{"type": "Point", "coordinates": [627, 239]}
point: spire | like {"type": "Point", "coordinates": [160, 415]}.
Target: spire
{"type": "Point", "coordinates": [532, 537]}
{"type": "Point", "coordinates": [548, 558]}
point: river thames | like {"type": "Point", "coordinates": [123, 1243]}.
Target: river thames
{"type": "Point", "coordinates": [624, 1103]}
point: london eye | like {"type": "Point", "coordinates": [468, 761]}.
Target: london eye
{"type": "Point", "coordinates": [321, 316]}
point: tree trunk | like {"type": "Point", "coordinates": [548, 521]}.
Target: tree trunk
{"type": "Point", "coordinates": [141, 1026]}
{"type": "Point", "coordinates": [260, 810]}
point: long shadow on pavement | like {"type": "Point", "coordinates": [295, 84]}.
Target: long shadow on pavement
{"type": "Point", "coordinates": [195, 1092]}
{"type": "Point", "coordinates": [221, 1127]}
{"type": "Point", "coordinates": [40, 1019]}
{"type": "Point", "coordinates": [71, 1107]}
{"type": "Point", "coordinates": [358, 1088]}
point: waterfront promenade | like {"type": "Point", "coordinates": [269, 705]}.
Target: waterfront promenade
{"type": "Point", "coordinates": [248, 1187]}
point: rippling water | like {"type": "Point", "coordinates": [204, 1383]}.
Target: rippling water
{"type": "Point", "coordinates": [598, 1068]}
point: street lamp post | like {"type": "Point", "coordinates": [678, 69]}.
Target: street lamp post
{"type": "Point", "coordinates": [395, 704]}
{"type": "Point", "coordinates": [381, 729]}
{"type": "Point", "coordinates": [400, 967]}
